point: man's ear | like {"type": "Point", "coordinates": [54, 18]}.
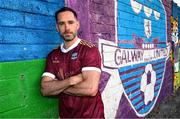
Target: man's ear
{"type": "Point", "coordinates": [78, 24]}
{"type": "Point", "coordinates": [57, 27]}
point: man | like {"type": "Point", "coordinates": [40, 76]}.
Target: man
{"type": "Point", "coordinates": [73, 71]}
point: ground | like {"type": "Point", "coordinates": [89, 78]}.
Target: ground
{"type": "Point", "coordinates": [170, 108]}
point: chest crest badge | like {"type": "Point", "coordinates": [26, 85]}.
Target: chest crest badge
{"type": "Point", "coordinates": [74, 55]}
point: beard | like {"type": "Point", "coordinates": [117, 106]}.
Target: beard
{"type": "Point", "coordinates": [68, 36]}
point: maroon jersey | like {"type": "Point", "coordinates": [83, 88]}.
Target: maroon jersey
{"type": "Point", "coordinates": [63, 63]}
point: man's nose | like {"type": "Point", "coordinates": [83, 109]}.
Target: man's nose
{"type": "Point", "coordinates": [67, 26]}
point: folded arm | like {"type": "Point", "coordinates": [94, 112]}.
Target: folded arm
{"type": "Point", "coordinates": [50, 86]}
{"type": "Point", "coordinates": [88, 86]}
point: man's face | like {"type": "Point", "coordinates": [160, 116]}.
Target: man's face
{"type": "Point", "coordinates": [67, 25]}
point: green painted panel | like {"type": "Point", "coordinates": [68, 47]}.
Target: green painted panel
{"type": "Point", "coordinates": [20, 95]}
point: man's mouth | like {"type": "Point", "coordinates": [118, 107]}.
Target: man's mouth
{"type": "Point", "coordinates": [67, 33]}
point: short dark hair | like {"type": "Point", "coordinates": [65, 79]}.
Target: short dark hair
{"type": "Point", "coordinates": [64, 9]}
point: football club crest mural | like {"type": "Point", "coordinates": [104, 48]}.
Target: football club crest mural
{"type": "Point", "coordinates": [137, 59]}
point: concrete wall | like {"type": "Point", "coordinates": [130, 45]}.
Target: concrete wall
{"type": "Point", "coordinates": [27, 34]}
{"type": "Point", "coordinates": [134, 43]}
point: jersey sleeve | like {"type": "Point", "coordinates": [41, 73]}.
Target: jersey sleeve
{"type": "Point", "coordinates": [91, 60]}
{"type": "Point", "coordinates": [49, 68]}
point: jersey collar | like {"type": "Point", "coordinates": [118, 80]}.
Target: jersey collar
{"type": "Point", "coordinates": [71, 47]}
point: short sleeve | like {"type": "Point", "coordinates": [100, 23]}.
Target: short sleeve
{"type": "Point", "coordinates": [49, 68]}
{"type": "Point", "coordinates": [91, 60]}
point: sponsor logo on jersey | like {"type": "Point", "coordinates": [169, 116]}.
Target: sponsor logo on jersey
{"type": "Point", "coordinates": [55, 60]}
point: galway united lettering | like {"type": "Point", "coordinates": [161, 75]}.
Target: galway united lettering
{"type": "Point", "coordinates": [115, 57]}
{"type": "Point", "coordinates": [124, 56]}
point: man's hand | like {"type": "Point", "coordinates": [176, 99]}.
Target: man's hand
{"type": "Point", "coordinates": [75, 79]}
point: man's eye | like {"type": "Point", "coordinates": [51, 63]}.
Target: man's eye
{"type": "Point", "coordinates": [71, 22]}
{"type": "Point", "coordinates": [61, 23]}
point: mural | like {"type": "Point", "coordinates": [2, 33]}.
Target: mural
{"type": "Point", "coordinates": [175, 29]}
{"type": "Point", "coordinates": [175, 60]}
{"type": "Point", "coordinates": [131, 36]}
{"type": "Point", "coordinates": [136, 61]}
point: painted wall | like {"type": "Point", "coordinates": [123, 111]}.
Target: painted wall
{"type": "Point", "coordinates": [175, 41]}
{"type": "Point", "coordinates": [27, 34]}
{"type": "Point", "coordinates": [133, 39]}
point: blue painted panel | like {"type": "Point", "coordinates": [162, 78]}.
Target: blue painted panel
{"type": "Point", "coordinates": [129, 19]}
{"type": "Point", "coordinates": [27, 28]}
{"type": "Point", "coordinates": [10, 35]}
{"type": "Point", "coordinates": [13, 52]}
{"type": "Point", "coordinates": [46, 7]}
{"type": "Point", "coordinates": [11, 18]}
{"type": "Point", "coordinates": [12, 4]}
{"type": "Point", "coordinates": [52, 8]}
{"type": "Point", "coordinates": [20, 19]}
{"type": "Point", "coordinates": [129, 30]}
{"type": "Point", "coordinates": [54, 1]}
{"type": "Point", "coordinates": [39, 22]}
